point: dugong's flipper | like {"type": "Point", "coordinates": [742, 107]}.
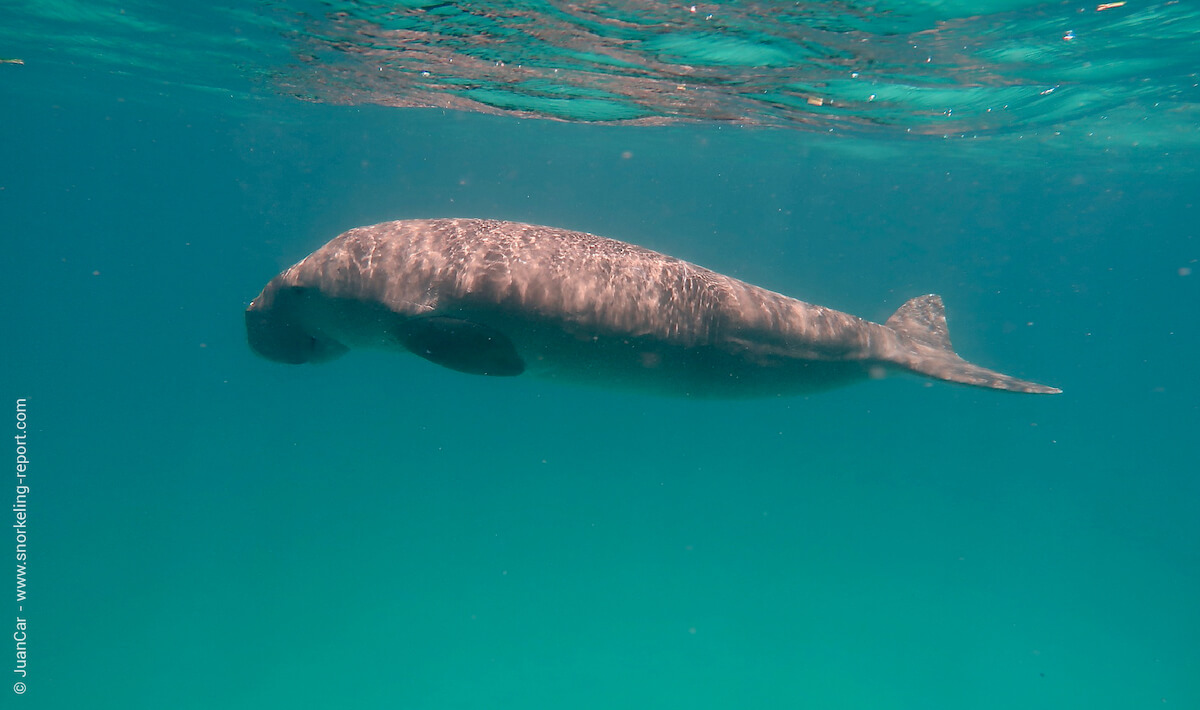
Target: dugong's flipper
{"type": "Point", "coordinates": [925, 348]}
{"type": "Point", "coordinates": [462, 345]}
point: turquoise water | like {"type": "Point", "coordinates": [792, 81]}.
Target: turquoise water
{"type": "Point", "coordinates": [210, 529]}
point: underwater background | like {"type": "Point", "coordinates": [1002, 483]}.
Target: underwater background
{"type": "Point", "coordinates": [210, 529]}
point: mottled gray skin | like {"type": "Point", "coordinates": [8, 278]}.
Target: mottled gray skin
{"type": "Point", "coordinates": [580, 307]}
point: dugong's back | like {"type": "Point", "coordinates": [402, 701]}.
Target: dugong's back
{"type": "Point", "coordinates": [418, 267]}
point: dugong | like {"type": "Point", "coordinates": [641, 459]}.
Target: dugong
{"type": "Point", "coordinates": [502, 298]}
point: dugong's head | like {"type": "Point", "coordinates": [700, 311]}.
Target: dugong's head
{"type": "Point", "coordinates": [275, 328]}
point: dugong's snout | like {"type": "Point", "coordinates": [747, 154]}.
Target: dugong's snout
{"type": "Point", "coordinates": [274, 332]}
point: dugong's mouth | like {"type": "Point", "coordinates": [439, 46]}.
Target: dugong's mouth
{"type": "Point", "coordinates": [273, 334]}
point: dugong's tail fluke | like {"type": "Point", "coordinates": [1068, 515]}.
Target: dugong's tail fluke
{"type": "Point", "coordinates": [926, 349]}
